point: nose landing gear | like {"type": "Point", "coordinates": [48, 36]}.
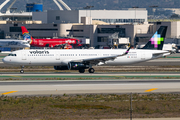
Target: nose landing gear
{"type": "Point", "coordinates": [22, 71]}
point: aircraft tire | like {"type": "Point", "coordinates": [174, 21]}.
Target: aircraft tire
{"type": "Point", "coordinates": [21, 71]}
{"type": "Point", "coordinates": [91, 70]}
{"type": "Point", "coordinates": [81, 70]}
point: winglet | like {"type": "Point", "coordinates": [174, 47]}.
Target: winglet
{"type": "Point", "coordinates": [127, 51]}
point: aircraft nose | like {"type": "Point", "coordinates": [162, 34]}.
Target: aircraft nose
{"type": "Point", "coordinates": [5, 60]}
{"type": "Point", "coordinates": [28, 45]}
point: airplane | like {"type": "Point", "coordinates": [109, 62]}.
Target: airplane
{"type": "Point", "coordinates": [81, 59]}
{"type": "Point", "coordinates": [55, 42]}
{"type": "Point", "coordinates": [13, 43]}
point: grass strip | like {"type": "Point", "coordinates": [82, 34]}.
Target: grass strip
{"type": "Point", "coordinates": [86, 77]}
{"type": "Point", "coordinates": [89, 106]}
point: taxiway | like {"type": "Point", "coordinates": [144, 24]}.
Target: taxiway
{"type": "Point", "coordinates": [43, 87]}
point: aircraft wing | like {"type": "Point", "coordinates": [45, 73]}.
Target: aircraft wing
{"type": "Point", "coordinates": [95, 61]}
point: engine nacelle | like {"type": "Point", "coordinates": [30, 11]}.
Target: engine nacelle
{"type": "Point", "coordinates": [61, 67]}
{"type": "Point", "coordinates": [77, 66]}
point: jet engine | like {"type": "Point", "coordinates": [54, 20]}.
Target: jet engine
{"type": "Point", "coordinates": [77, 66]}
{"type": "Point", "coordinates": [61, 67]}
{"type": "Point", "coordinates": [72, 66]}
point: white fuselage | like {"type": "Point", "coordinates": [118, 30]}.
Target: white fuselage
{"type": "Point", "coordinates": [58, 57]}
{"type": "Point", "coordinates": [12, 43]}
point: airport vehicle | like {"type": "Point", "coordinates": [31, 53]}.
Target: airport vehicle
{"type": "Point", "coordinates": [54, 42]}
{"type": "Point", "coordinates": [81, 59]}
{"type": "Point", "coordinates": [13, 43]}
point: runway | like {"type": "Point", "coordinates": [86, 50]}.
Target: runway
{"type": "Point", "coordinates": [43, 87]}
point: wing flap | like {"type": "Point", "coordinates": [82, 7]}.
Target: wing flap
{"type": "Point", "coordinates": [161, 54]}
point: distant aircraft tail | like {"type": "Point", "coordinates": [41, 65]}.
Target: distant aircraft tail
{"type": "Point", "coordinates": [157, 40]}
{"type": "Point", "coordinates": [26, 36]}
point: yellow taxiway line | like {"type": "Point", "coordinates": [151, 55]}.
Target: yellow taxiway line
{"type": "Point", "coordinates": [151, 90]}
{"type": "Point", "coordinates": [9, 92]}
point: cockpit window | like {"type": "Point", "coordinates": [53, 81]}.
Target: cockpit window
{"type": "Point", "coordinates": [77, 41]}
{"type": "Point", "coordinates": [12, 55]}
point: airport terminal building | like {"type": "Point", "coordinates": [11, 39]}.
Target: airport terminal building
{"type": "Point", "coordinates": [108, 16]}
{"type": "Point", "coordinates": [93, 25]}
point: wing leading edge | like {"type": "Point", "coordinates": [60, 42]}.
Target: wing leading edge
{"type": "Point", "coordinates": [95, 61]}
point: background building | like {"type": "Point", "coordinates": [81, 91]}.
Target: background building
{"type": "Point", "coordinates": [108, 16]}
{"type": "Point", "coordinates": [103, 28]}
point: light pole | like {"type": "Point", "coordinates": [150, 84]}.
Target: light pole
{"type": "Point", "coordinates": [13, 9]}
{"type": "Point", "coordinates": [89, 7]}
{"type": "Point", "coordinates": [135, 7]}
{"type": "Point", "coordinates": [85, 9]}
{"type": "Point", "coordinates": [153, 6]}
{"type": "Point", "coordinates": [131, 109]}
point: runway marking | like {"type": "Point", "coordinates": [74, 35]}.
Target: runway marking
{"type": "Point", "coordinates": [151, 90]}
{"type": "Point", "coordinates": [9, 92]}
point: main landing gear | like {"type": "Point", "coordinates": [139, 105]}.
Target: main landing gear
{"type": "Point", "coordinates": [91, 70]}
{"type": "Point", "coordinates": [82, 70]}
{"type": "Point", "coordinates": [22, 71]}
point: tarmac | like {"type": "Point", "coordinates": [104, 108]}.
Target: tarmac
{"type": "Point", "coordinates": [110, 86]}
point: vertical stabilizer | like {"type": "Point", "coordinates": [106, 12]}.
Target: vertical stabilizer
{"type": "Point", "coordinates": [26, 35]}
{"type": "Point", "coordinates": [157, 40]}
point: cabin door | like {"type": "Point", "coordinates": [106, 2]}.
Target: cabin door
{"type": "Point", "coordinates": [143, 56]}
{"type": "Point", "coordinates": [57, 56]}
{"type": "Point", "coordinates": [23, 55]}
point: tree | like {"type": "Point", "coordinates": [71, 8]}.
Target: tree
{"type": "Point", "coordinates": [174, 16]}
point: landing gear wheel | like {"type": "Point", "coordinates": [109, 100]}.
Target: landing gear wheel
{"type": "Point", "coordinates": [81, 70]}
{"type": "Point", "coordinates": [21, 71]}
{"type": "Point", "coordinates": [91, 70]}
